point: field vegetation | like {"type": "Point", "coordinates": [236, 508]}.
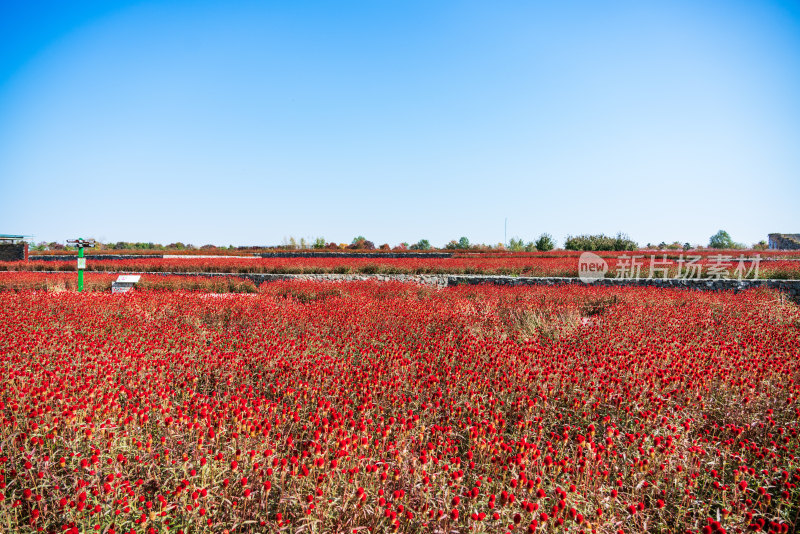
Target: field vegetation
{"type": "Point", "coordinates": [777, 264]}
{"type": "Point", "coordinates": [322, 407]}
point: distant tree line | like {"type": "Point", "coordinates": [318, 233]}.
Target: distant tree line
{"type": "Point", "coordinates": [544, 243]}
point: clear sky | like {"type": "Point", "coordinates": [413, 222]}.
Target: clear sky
{"type": "Point", "coordinates": [238, 123]}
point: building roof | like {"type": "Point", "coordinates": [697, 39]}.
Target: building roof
{"type": "Point", "coordinates": [11, 237]}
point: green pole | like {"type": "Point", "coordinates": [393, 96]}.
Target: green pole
{"type": "Point", "coordinates": [80, 267]}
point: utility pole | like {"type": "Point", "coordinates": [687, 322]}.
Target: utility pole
{"type": "Point", "coordinates": [81, 244]}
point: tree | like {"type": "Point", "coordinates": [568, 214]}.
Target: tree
{"type": "Point", "coordinates": [422, 244]}
{"type": "Point", "coordinates": [361, 243]}
{"type": "Point", "coordinates": [319, 242]}
{"type": "Point", "coordinates": [721, 239]}
{"type": "Point", "coordinates": [463, 243]}
{"type": "Point", "coordinates": [515, 244]}
{"type": "Point", "coordinates": [545, 243]}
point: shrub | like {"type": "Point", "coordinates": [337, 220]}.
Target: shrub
{"type": "Point", "coordinates": [545, 243]}
{"type": "Point", "coordinates": [422, 244]}
{"type": "Point", "coordinates": [515, 244]}
{"type": "Point", "coordinates": [361, 243]}
{"type": "Point", "coordinates": [369, 268]}
{"type": "Point", "coordinates": [461, 244]}
{"type": "Point", "coordinates": [600, 242]}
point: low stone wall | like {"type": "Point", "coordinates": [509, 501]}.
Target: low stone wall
{"type": "Point", "coordinates": [791, 287]}
{"type": "Point", "coordinates": [258, 278]}
{"type": "Point", "coordinates": [13, 251]}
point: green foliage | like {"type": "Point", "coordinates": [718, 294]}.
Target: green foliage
{"type": "Point", "coordinates": [600, 242]}
{"type": "Point", "coordinates": [422, 244]}
{"type": "Point", "coordinates": [124, 245]}
{"type": "Point", "coordinates": [319, 243]}
{"type": "Point", "coordinates": [545, 243]}
{"type": "Point", "coordinates": [461, 244]}
{"type": "Point", "coordinates": [721, 239]}
{"type": "Point", "coordinates": [515, 244]}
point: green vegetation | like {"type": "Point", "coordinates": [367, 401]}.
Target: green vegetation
{"type": "Point", "coordinates": [545, 243]}
{"type": "Point", "coordinates": [600, 242]}
{"type": "Point", "coordinates": [516, 244]}
{"type": "Point", "coordinates": [722, 239]}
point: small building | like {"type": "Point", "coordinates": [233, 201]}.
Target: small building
{"type": "Point", "coordinates": [13, 248]}
{"type": "Point", "coordinates": [784, 241]}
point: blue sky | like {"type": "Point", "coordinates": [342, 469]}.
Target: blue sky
{"type": "Point", "coordinates": [247, 122]}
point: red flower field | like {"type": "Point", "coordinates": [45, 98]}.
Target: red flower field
{"type": "Point", "coordinates": [313, 407]}
{"type": "Point", "coordinates": [772, 264]}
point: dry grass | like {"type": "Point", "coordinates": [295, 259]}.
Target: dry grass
{"type": "Point", "coordinates": [552, 322]}
{"type": "Point", "coordinates": [540, 323]}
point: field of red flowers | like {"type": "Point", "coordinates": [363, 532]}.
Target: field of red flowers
{"type": "Point", "coordinates": [563, 264]}
{"type": "Point", "coordinates": [369, 407]}
{"type": "Point", "coordinates": [57, 282]}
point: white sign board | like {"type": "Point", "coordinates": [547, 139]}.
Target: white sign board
{"type": "Point", "coordinates": [124, 283]}
{"type": "Point", "coordinates": [81, 263]}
